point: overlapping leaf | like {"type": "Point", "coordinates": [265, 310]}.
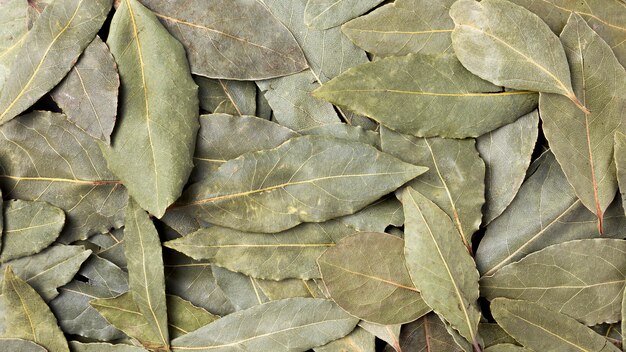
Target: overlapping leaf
{"type": "Point", "coordinates": [14, 17]}
{"type": "Point", "coordinates": [224, 96]}
{"type": "Point", "coordinates": [620, 163]}
{"type": "Point", "coordinates": [324, 14]}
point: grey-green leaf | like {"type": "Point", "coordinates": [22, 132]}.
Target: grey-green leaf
{"type": "Point", "coordinates": [29, 227]}
{"type": "Point", "coordinates": [489, 41]}
{"type": "Point", "coordinates": [581, 142]}
{"type": "Point", "coordinates": [294, 324]}
{"type": "Point", "coordinates": [322, 14]}
{"type": "Point", "coordinates": [581, 279]}
{"type": "Point", "coordinates": [507, 347]}
{"type": "Point", "coordinates": [29, 316]}
{"type": "Point", "coordinates": [404, 27]}
{"type": "Point", "coordinates": [427, 334]}
{"type": "Point", "coordinates": [506, 152]}
{"type": "Point", "coordinates": [239, 39]}
{"type": "Point", "coordinates": [542, 329]}
{"type": "Point", "coordinates": [14, 19]}
{"type": "Point", "coordinates": [145, 269]}
{"type": "Point", "coordinates": [359, 340]}
{"type": "Point", "coordinates": [288, 254]}
{"type": "Point", "coordinates": [387, 333]}
{"type": "Point", "coordinates": [444, 100]}
{"type": "Point", "coordinates": [620, 163]}
{"type": "Point", "coordinates": [306, 179]}
{"type": "Point", "coordinates": [377, 216]}
{"type": "Point", "coordinates": [229, 97]}
{"type": "Point", "coordinates": [49, 51]}
{"type": "Point", "coordinates": [158, 101]}
{"type": "Point", "coordinates": [242, 291]}
{"type": "Point", "coordinates": [103, 347]}
{"type": "Point", "coordinates": [366, 276]}
{"type": "Point", "coordinates": [184, 317]}
{"type": "Point", "coordinates": [88, 94]}
{"type": "Point", "coordinates": [440, 266]}
{"type": "Point", "coordinates": [19, 345]}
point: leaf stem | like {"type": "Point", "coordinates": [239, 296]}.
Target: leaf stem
{"type": "Point", "coordinates": [579, 105]}
{"type": "Point", "coordinates": [476, 346]}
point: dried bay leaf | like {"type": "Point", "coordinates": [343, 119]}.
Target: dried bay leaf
{"type": "Point", "coordinates": [242, 291]}
{"type": "Point", "coordinates": [294, 324]}
{"type": "Point", "coordinates": [554, 278]}
{"type": "Point", "coordinates": [151, 163]}
{"type": "Point", "coordinates": [14, 19]}
{"type": "Point", "coordinates": [439, 265]}
{"type": "Point", "coordinates": [19, 345]}
{"type": "Point", "coordinates": [88, 94]}
{"type": "Point", "coordinates": [620, 163]}
{"type": "Point", "coordinates": [306, 179]}
{"type": "Point", "coordinates": [541, 329]}
{"type": "Point", "coordinates": [579, 140]}
{"type": "Point", "coordinates": [103, 347]}
{"type": "Point", "coordinates": [288, 254]}
{"type": "Point", "coordinates": [52, 46]}
{"type": "Point", "coordinates": [290, 288]}
{"type": "Point", "coordinates": [507, 347]}
{"type": "Point", "coordinates": [387, 333]}
{"type": "Point", "coordinates": [111, 246]}
{"type": "Point", "coordinates": [323, 14]}
{"type": "Point", "coordinates": [359, 340]}
{"type": "Point", "coordinates": [443, 100]}
{"type": "Point", "coordinates": [236, 40]}
{"type": "Point", "coordinates": [345, 131]}
{"type": "Point", "coordinates": [45, 157]}
{"type": "Point", "coordinates": [455, 179]}
{"type": "Point", "coordinates": [365, 277]}
{"type": "Point", "coordinates": [229, 97]}
{"type": "Point", "coordinates": [184, 317]}
{"type": "Point", "coordinates": [506, 152]}
{"type": "Point", "coordinates": [376, 217]}
{"type": "Point", "coordinates": [489, 42]}
{"type": "Point", "coordinates": [428, 333]}
{"type": "Point", "coordinates": [30, 318]}
{"type": "Point", "coordinates": [404, 27]}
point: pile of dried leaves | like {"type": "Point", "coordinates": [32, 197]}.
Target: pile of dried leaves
{"type": "Point", "coordinates": [334, 175]}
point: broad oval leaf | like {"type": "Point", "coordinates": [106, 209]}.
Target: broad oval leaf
{"type": "Point", "coordinates": [294, 324]}
{"type": "Point", "coordinates": [29, 227]}
{"type": "Point", "coordinates": [488, 40]}
{"type": "Point", "coordinates": [152, 163]}
{"type": "Point", "coordinates": [52, 46]}
{"type": "Point", "coordinates": [288, 254]}
{"type": "Point", "coordinates": [620, 163]}
{"type": "Point", "coordinates": [45, 157]}
{"type": "Point", "coordinates": [579, 140]}
{"type": "Point", "coordinates": [365, 276]}
{"type": "Point", "coordinates": [322, 14]}
{"type": "Point", "coordinates": [440, 266]}
{"type": "Point", "coordinates": [404, 27]}
{"type": "Point", "coordinates": [444, 99]}
{"type": "Point", "coordinates": [306, 179]}
{"type": "Point", "coordinates": [88, 94]}
{"type": "Point", "coordinates": [239, 39]}
{"type": "Point", "coordinates": [19, 345]}
{"type": "Point", "coordinates": [559, 278]}
{"type": "Point", "coordinates": [542, 329]}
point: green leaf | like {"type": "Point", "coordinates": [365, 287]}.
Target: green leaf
{"type": "Point", "coordinates": [151, 163]}
{"type": "Point", "coordinates": [242, 291]}
{"type": "Point", "coordinates": [44, 157]}
{"type": "Point", "coordinates": [493, 334]}
{"type": "Point", "coordinates": [377, 216]}
{"type": "Point", "coordinates": [50, 268]}
{"type": "Point", "coordinates": [184, 317]}
{"type": "Point", "coordinates": [546, 330]}
{"type": "Point", "coordinates": [387, 333]}
{"type": "Point", "coordinates": [230, 97]}
{"type": "Point", "coordinates": [507, 347]}
{"type": "Point", "coordinates": [238, 40]}
{"type": "Point", "coordinates": [506, 152]}
{"type": "Point", "coordinates": [554, 278]}
{"type": "Point", "coordinates": [345, 131]}
{"type": "Point", "coordinates": [359, 340]}
{"type": "Point", "coordinates": [620, 163]}
{"type": "Point", "coordinates": [546, 211]}
{"type": "Point", "coordinates": [103, 347]}
{"type": "Point", "coordinates": [13, 16]}
{"type": "Point", "coordinates": [323, 14]}
{"type": "Point", "coordinates": [455, 180]}
{"type": "Point", "coordinates": [52, 47]}
{"type": "Point", "coordinates": [493, 46]}
{"type": "Point", "coordinates": [439, 264]}
{"type": "Point", "coordinates": [443, 100]}
{"type": "Point", "coordinates": [101, 272]}
{"type": "Point", "coordinates": [288, 254]}
{"type": "Point", "coordinates": [579, 140]}
{"type": "Point", "coordinates": [111, 246]}
{"type": "Point", "coordinates": [29, 316]}
{"type": "Point", "coordinates": [294, 324]}
{"type": "Point", "coordinates": [404, 27]}
{"type": "Point", "coordinates": [19, 345]}
{"type": "Point", "coordinates": [145, 270]}
{"type": "Point", "coordinates": [29, 227]}
{"type": "Point", "coordinates": [429, 334]}
{"type": "Point", "coordinates": [366, 277]}
{"type": "Point", "coordinates": [290, 288]}
{"type": "Point", "coordinates": [88, 94]}
{"type": "Point", "coordinates": [303, 180]}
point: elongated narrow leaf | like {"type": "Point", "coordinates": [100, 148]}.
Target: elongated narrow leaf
{"type": "Point", "coordinates": [29, 316]}
{"type": "Point", "coordinates": [364, 276]}
{"type": "Point", "coordinates": [579, 140]}
{"type": "Point", "coordinates": [14, 17]}
{"type": "Point", "coordinates": [306, 179]}
{"type": "Point", "coordinates": [19, 345]}
{"type": "Point", "coordinates": [555, 279]}
{"type": "Point", "coordinates": [29, 227]}
{"type": "Point", "coordinates": [288, 254]}
{"type": "Point", "coordinates": [103, 347]}
{"type": "Point", "coordinates": [429, 334]}
{"type": "Point", "coordinates": [455, 179]}
{"type": "Point", "coordinates": [444, 99]}
{"type": "Point", "coordinates": [50, 50]}
{"type": "Point", "coordinates": [88, 95]}
{"type": "Point", "coordinates": [404, 27]}
{"type": "Point", "coordinates": [145, 270]}
{"type": "Point", "coordinates": [439, 264]}
{"type": "Point", "coordinates": [294, 324]}
{"type": "Point", "coordinates": [322, 14]}
{"type": "Point", "coordinates": [151, 163]}
{"type": "Point", "coordinates": [507, 152]}
{"type": "Point", "coordinates": [620, 163]}
{"type": "Point", "coordinates": [224, 96]}
{"type": "Point", "coordinates": [546, 330]}
{"type": "Point", "coordinates": [489, 42]}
